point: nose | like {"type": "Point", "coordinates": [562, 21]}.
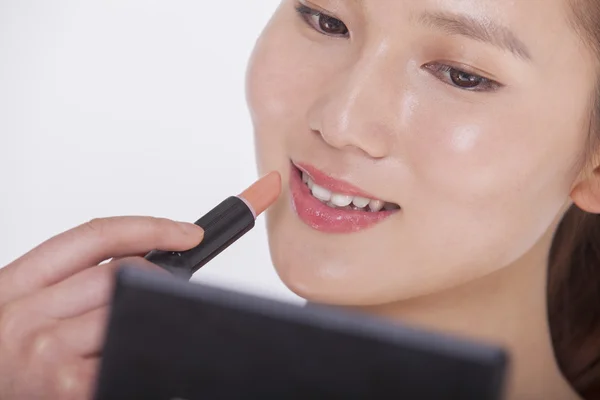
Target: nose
{"type": "Point", "coordinates": [359, 108]}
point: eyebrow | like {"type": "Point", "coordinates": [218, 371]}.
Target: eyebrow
{"type": "Point", "coordinates": [481, 30]}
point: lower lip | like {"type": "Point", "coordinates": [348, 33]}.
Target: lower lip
{"type": "Point", "coordinates": [327, 219]}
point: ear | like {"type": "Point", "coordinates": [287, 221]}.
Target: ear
{"type": "Point", "coordinates": [586, 193]}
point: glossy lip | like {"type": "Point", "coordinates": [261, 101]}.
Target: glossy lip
{"type": "Point", "coordinates": [332, 184]}
{"type": "Point", "coordinates": [327, 219]}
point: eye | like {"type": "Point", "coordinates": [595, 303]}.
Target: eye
{"type": "Point", "coordinates": [462, 79]}
{"type": "Point", "coordinates": [321, 22]}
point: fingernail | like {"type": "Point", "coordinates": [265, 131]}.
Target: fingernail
{"type": "Point", "coordinates": [190, 229]}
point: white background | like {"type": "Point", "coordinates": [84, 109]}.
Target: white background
{"type": "Point", "coordinates": [128, 107]}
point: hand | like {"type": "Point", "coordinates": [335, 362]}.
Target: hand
{"type": "Point", "coordinates": [54, 303]}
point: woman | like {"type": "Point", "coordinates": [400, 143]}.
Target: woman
{"type": "Point", "coordinates": [439, 163]}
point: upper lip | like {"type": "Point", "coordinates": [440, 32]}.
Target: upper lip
{"type": "Point", "coordinates": [332, 184]}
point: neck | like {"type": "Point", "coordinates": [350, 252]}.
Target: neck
{"type": "Point", "coordinates": [508, 308]}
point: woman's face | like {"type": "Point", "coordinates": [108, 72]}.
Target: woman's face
{"type": "Point", "coordinates": [464, 119]}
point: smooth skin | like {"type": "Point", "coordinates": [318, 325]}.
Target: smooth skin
{"type": "Point", "coordinates": [54, 302]}
{"type": "Point", "coordinates": [483, 175]}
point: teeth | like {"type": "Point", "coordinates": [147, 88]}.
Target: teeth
{"type": "Point", "coordinates": [361, 202]}
{"type": "Point", "coordinates": [341, 200]}
{"type": "Point", "coordinates": [321, 193]}
{"type": "Point", "coordinates": [376, 205]}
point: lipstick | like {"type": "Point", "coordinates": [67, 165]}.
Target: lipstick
{"type": "Point", "coordinates": [223, 225]}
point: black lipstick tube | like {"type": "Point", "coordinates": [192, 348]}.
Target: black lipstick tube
{"type": "Point", "coordinates": [223, 225]}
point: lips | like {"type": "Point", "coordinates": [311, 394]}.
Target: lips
{"type": "Point", "coordinates": [334, 206]}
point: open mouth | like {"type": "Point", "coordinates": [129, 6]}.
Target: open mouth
{"type": "Point", "coordinates": [345, 201]}
{"type": "Point", "coordinates": [333, 206]}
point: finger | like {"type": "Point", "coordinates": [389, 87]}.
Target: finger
{"type": "Point", "coordinates": [76, 380]}
{"type": "Point", "coordinates": [84, 335]}
{"type": "Point", "coordinates": [90, 244]}
{"type": "Point", "coordinates": [117, 259]}
{"type": "Point", "coordinates": [47, 366]}
{"type": "Point", "coordinates": [82, 292]}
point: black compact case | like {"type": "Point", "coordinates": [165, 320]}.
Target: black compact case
{"type": "Point", "coordinates": [169, 339]}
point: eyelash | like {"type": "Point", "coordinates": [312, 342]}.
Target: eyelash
{"type": "Point", "coordinates": [443, 72]}
{"type": "Point", "coordinates": [309, 14]}
{"type": "Point", "coordinates": [447, 74]}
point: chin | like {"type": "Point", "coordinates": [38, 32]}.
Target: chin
{"type": "Point", "coordinates": [324, 269]}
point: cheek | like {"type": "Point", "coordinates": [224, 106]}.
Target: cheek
{"type": "Point", "coordinates": [489, 173]}
{"type": "Point", "coordinates": [275, 92]}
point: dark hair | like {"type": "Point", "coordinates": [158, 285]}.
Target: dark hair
{"type": "Point", "coordinates": [574, 262]}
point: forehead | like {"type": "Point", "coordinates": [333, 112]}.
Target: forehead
{"type": "Point", "coordinates": [543, 25]}
{"type": "Point", "coordinates": [533, 9]}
